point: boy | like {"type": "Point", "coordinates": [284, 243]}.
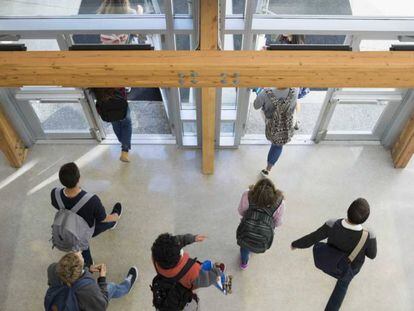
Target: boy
{"type": "Point", "coordinates": [344, 235]}
{"type": "Point", "coordinates": [92, 211]}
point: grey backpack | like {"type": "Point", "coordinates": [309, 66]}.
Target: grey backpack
{"type": "Point", "coordinates": [279, 126]}
{"type": "Point", "coordinates": [70, 232]}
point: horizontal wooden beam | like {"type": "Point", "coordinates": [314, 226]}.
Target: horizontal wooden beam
{"type": "Point", "coordinates": [207, 69]}
{"type": "Point", "coordinates": [403, 149]}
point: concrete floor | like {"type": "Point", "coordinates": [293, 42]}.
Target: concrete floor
{"type": "Point", "coordinates": [163, 190]}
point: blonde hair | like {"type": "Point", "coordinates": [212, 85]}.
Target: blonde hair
{"type": "Point", "coordinates": [114, 7]}
{"type": "Point", "coordinates": [69, 268]}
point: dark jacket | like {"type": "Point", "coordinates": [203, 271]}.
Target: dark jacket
{"type": "Point", "coordinates": [344, 237]}
{"type": "Point", "coordinates": [93, 297]}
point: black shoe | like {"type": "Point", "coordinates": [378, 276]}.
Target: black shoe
{"type": "Point", "coordinates": [133, 274]}
{"type": "Point", "coordinates": [117, 209]}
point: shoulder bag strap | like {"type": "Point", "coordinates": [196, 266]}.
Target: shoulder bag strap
{"type": "Point", "coordinates": [359, 246]}
{"type": "Point", "coordinates": [81, 202]}
{"type": "Point", "coordinates": [59, 198]}
{"type": "Point", "coordinates": [185, 269]}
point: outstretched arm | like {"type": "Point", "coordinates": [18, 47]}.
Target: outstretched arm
{"type": "Point", "coordinates": [310, 239]}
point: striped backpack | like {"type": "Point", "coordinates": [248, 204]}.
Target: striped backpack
{"type": "Point", "coordinates": [279, 127]}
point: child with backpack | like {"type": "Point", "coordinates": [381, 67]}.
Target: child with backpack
{"type": "Point", "coordinates": [178, 274]}
{"type": "Point", "coordinates": [112, 106]}
{"type": "Point", "coordinates": [344, 253]}
{"type": "Point", "coordinates": [72, 288]}
{"type": "Point", "coordinates": [80, 215]}
{"type": "Point", "coordinates": [262, 208]}
{"type": "Point", "coordinates": [278, 107]}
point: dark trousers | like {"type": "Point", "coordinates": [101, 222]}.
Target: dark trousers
{"type": "Point", "coordinates": [339, 292]}
{"type": "Point", "coordinates": [99, 228]}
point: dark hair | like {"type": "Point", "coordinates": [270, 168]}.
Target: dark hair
{"type": "Point", "coordinates": [69, 175]}
{"type": "Point", "coordinates": [166, 251]}
{"type": "Point", "coordinates": [104, 93]}
{"type": "Point", "coordinates": [264, 193]}
{"type": "Point", "coordinates": [358, 211]}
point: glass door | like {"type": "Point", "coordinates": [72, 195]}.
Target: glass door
{"type": "Point", "coordinates": [362, 114]}
{"type": "Point", "coordinates": [56, 113]}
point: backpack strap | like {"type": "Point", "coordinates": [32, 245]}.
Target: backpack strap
{"type": "Point", "coordinates": [81, 202]}
{"type": "Point", "coordinates": [359, 246]}
{"type": "Point", "coordinates": [59, 198]}
{"type": "Point", "coordinates": [188, 265]}
{"type": "Point", "coordinates": [82, 282]}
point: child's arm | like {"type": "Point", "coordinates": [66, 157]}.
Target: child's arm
{"type": "Point", "coordinates": [244, 203]}
{"type": "Point", "coordinates": [277, 216]}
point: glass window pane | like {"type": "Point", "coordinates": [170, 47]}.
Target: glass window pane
{"type": "Point", "coordinates": [307, 111]}
{"type": "Point", "coordinates": [235, 7]}
{"type": "Point", "coordinates": [336, 7]}
{"type": "Point", "coordinates": [147, 117]}
{"type": "Point", "coordinates": [67, 8]}
{"type": "Point", "coordinates": [60, 117]}
{"type": "Point", "coordinates": [264, 40]}
{"type": "Point", "coordinates": [227, 129]}
{"type": "Point", "coordinates": [189, 128]}
{"type": "Point", "coordinates": [232, 42]}
{"type": "Point", "coordinates": [229, 98]}
{"type": "Point", "coordinates": [183, 7]}
{"type": "Point", "coordinates": [183, 42]}
{"type": "Point", "coordinates": [379, 45]}
{"type": "Point", "coordinates": [187, 98]}
{"type": "Point", "coordinates": [356, 116]}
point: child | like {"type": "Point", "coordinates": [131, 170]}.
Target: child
{"type": "Point", "coordinates": [262, 208]}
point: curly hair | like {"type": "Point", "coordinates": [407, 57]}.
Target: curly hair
{"type": "Point", "coordinates": [166, 251]}
{"type": "Point", "coordinates": [69, 268]}
{"type": "Point", "coordinates": [264, 193]}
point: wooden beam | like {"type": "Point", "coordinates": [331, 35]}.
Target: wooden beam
{"type": "Point", "coordinates": [403, 149]}
{"type": "Point", "coordinates": [10, 143]}
{"type": "Point", "coordinates": [209, 25]}
{"type": "Point", "coordinates": [207, 68]}
{"type": "Point", "coordinates": [208, 112]}
{"type": "Point", "coordinates": [208, 42]}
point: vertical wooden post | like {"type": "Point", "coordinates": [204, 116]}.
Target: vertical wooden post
{"type": "Point", "coordinates": [403, 149]}
{"type": "Point", "coordinates": [208, 41]}
{"type": "Point", "coordinates": [10, 143]}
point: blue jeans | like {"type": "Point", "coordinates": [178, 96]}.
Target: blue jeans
{"type": "Point", "coordinates": [244, 254]}
{"type": "Point", "coordinates": [118, 290]}
{"type": "Point", "coordinates": [99, 228]}
{"type": "Point", "coordinates": [123, 131]}
{"type": "Point", "coordinates": [339, 292]}
{"type": "Point", "coordinates": [274, 154]}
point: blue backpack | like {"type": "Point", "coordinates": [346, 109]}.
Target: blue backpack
{"type": "Point", "coordinates": [63, 297]}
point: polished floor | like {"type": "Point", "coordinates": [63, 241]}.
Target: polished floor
{"type": "Point", "coordinates": [163, 190]}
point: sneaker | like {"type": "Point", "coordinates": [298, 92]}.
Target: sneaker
{"type": "Point", "coordinates": [296, 127]}
{"type": "Point", "coordinates": [116, 210]}
{"type": "Point", "coordinates": [124, 157]}
{"type": "Point", "coordinates": [132, 276]}
{"type": "Point", "coordinates": [265, 173]}
{"type": "Point", "coordinates": [244, 266]}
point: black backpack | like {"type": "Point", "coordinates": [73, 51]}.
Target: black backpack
{"type": "Point", "coordinates": [255, 231]}
{"type": "Point", "coordinates": [169, 294]}
{"type": "Point", "coordinates": [114, 108]}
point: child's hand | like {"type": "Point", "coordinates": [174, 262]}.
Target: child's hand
{"type": "Point", "coordinates": [200, 238]}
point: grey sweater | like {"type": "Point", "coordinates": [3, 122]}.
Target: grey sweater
{"type": "Point", "coordinates": [263, 101]}
{"type": "Point", "coordinates": [93, 297]}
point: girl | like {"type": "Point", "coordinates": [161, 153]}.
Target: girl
{"type": "Point", "coordinates": [260, 206]}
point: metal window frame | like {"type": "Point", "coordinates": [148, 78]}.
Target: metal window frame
{"type": "Point", "coordinates": [355, 29]}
